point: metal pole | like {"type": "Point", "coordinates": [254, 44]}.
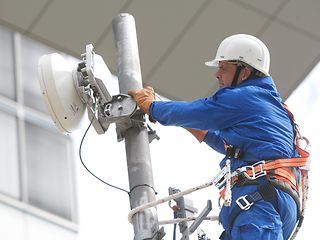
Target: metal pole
{"type": "Point", "coordinates": [145, 223]}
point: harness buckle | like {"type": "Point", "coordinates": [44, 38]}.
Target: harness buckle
{"type": "Point", "coordinates": [243, 203]}
{"type": "Point", "coordinates": [256, 170]}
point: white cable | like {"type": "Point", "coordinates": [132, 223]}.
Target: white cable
{"type": "Point", "coordinates": [166, 199]}
{"type": "Point", "coordinates": [228, 194]}
{"type": "Point", "coordinates": [177, 220]}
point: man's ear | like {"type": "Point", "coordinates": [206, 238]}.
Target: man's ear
{"type": "Point", "coordinates": [245, 73]}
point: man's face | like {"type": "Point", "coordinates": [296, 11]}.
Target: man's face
{"type": "Point", "coordinates": [225, 73]}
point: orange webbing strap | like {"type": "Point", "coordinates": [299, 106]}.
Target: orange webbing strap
{"type": "Point", "coordinates": [279, 163]}
{"type": "Point", "coordinates": [297, 135]}
{"type": "Point", "coordinates": [286, 162]}
{"type": "Point", "coordinates": [287, 175]}
{"type": "Point", "coordinates": [283, 162]}
{"type": "Point", "coordinates": [281, 169]}
{"type": "Point", "coordinates": [222, 192]}
{"type": "Point", "coordinates": [290, 114]}
{"type": "Point", "coordinates": [303, 153]}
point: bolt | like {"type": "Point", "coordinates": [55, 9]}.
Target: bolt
{"type": "Point", "coordinates": [107, 112]}
{"type": "Point", "coordinates": [120, 107]}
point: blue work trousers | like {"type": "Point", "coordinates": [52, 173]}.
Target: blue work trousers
{"type": "Point", "coordinates": [262, 221]}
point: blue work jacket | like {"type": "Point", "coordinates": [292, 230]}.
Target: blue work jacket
{"type": "Point", "coordinates": [249, 116]}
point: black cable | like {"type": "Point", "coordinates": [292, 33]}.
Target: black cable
{"type": "Point", "coordinates": [80, 147]}
{"type": "Point", "coordinates": [144, 185]}
{"type": "Point", "coordinates": [174, 226]}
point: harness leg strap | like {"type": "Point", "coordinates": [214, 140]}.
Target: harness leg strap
{"type": "Point", "coordinates": [265, 192]}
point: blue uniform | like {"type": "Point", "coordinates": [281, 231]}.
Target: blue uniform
{"type": "Point", "coordinates": [250, 117]}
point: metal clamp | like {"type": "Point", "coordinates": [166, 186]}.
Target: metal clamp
{"type": "Point", "coordinates": [243, 203]}
{"type": "Point", "coordinates": [120, 107]}
{"type": "Point", "coordinates": [152, 134]}
{"type": "Point", "coordinates": [220, 179]}
{"type": "Point", "coordinates": [255, 173]}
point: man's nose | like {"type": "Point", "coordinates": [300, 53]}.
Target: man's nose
{"type": "Point", "coordinates": [218, 75]}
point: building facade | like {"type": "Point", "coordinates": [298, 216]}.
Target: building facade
{"type": "Point", "coordinates": [37, 179]}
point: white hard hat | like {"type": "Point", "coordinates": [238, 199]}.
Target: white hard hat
{"type": "Point", "coordinates": [244, 48]}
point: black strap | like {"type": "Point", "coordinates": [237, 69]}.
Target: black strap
{"type": "Point", "coordinates": [265, 192]}
{"type": "Point", "coordinates": [236, 76]}
{"type": "Point", "coordinates": [232, 151]}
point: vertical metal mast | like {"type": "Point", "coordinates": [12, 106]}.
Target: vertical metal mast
{"type": "Point", "coordinates": [136, 137]}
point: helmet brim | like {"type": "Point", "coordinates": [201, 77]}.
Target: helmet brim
{"type": "Point", "coordinates": [212, 63]}
{"type": "Point", "coordinates": [215, 62]}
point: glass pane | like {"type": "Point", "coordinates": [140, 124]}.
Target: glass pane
{"type": "Point", "coordinates": [48, 169]}
{"type": "Point", "coordinates": [9, 167]}
{"type": "Point", "coordinates": [31, 51]}
{"type": "Point", "coordinates": [40, 230]}
{"type": "Point", "coordinates": [12, 223]}
{"type": "Point", "coordinates": [7, 83]}
{"type": "Point", "coordinates": [18, 225]}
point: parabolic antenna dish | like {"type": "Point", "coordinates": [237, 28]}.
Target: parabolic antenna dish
{"type": "Point", "coordinates": [56, 78]}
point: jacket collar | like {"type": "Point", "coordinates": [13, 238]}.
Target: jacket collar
{"type": "Point", "coordinates": [263, 82]}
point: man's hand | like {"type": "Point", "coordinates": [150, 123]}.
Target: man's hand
{"type": "Point", "coordinates": [144, 97]}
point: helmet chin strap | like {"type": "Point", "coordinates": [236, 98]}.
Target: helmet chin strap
{"type": "Point", "coordinates": [236, 75]}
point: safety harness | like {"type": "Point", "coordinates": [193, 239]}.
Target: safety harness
{"type": "Point", "coordinates": [287, 174]}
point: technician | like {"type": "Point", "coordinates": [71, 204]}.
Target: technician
{"type": "Point", "coordinates": [245, 120]}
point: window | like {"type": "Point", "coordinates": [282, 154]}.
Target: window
{"type": "Point", "coordinates": [7, 86]}
{"type": "Point", "coordinates": [30, 54]}
{"type": "Point", "coordinates": [36, 161]}
{"type": "Point", "coordinates": [48, 178]}
{"type": "Point", "coordinates": [9, 171]}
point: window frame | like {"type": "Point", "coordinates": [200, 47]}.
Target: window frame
{"type": "Point", "coordinates": [15, 107]}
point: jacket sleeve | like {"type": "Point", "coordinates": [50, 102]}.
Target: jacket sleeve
{"type": "Point", "coordinates": [213, 113]}
{"type": "Point", "coordinates": [214, 140]}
